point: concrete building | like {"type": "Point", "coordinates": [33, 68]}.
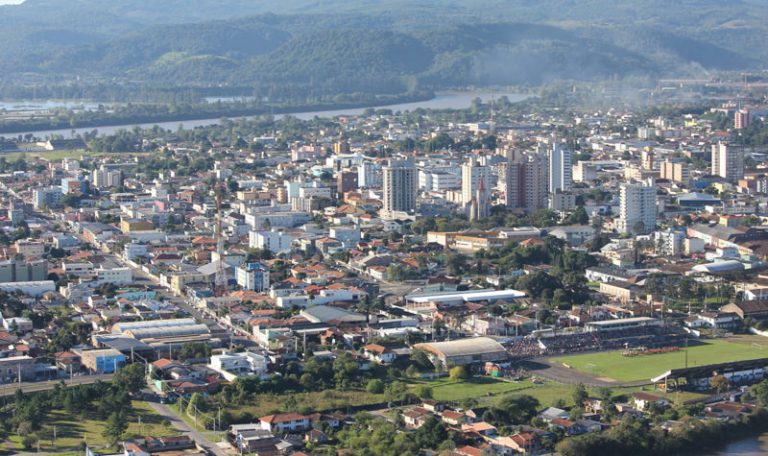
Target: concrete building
{"type": "Point", "coordinates": [584, 171]}
{"type": "Point", "coordinates": [104, 361]}
{"type": "Point", "coordinates": [346, 181]}
{"type": "Point", "coordinates": [23, 271]}
{"type": "Point", "coordinates": [253, 276]}
{"type": "Point", "coordinates": [560, 169]}
{"type": "Point", "coordinates": [30, 248]}
{"type": "Point", "coordinates": [117, 276]}
{"type": "Point", "coordinates": [369, 175]}
{"type": "Point", "coordinates": [274, 240]}
{"type": "Point", "coordinates": [399, 182]}
{"type": "Point", "coordinates": [742, 118]}
{"type": "Point", "coordinates": [472, 175]}
{"type": "Point", "coordinates": [676, 172]}
{"type": "Point", "coordinates": [637, 207]}
{"type": "Point", "coordinates": [728, 161]}
{"type": "Point", "coordinates": [526, 182]}
{"type": "Point", "coordinates": [46, 197]}
{"type": "Point", "coordinates": [235, 365]}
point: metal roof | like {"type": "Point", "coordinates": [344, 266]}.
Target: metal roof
{"type": "Point", "coordinates": [463, 347]}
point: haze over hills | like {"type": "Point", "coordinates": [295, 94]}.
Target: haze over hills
{"type": "Point", "coordinates": [373, 46]}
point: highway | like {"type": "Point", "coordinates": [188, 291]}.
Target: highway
{"type": "Point", "coordinates": [9, 389]}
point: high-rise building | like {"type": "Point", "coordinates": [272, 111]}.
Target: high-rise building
{"type": "Point", "coordinates": [535, 182]}
{"type": "Point", "coordinates": [399, 186]}
{"type": "Point", "coordinates": [728, 161]}
{"type": "Point", "coordinates": [742, 119]}
{"type": "Point", "coordinates": [525, 184]}
{"type": "Point", "coordinates": [637, 207]}
{"type": "Point", "coordinates": [510, 179]}
{"type": "Point", "coordinates": [346, 181]}
{"type": "Point", "coordinates": [675, 172]}
{"type": "Point", "coordinates": [471, 175]}
{"type": "Point", "coordinates": [560, 169]}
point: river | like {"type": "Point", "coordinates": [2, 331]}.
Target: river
{"type": "Point", "coordinates": [459, 100]}
{"type": "Point", "coordinates": [753, 446]}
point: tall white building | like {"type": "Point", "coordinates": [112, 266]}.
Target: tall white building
{"type": "Point", "coordinates": [369, 175]}
{"type": "Point", "coordinates": [399, 186]}
{"type": "Point", "coordinates": [637, 207]}
{"type": "Point", "coordinates": [471, 175]}
{"type": "Point", "coordinates": [560, 169]}
{"type": "Point", "coordinates": [728, 161]}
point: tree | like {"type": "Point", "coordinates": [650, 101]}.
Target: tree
{"type": "Point", "coordinates": [720, 383]}
{"type": "Point", "coordinates": [424, 392]}
{"type": "Point", "coordinates": [458, 373]}
{"type": "Point", "coordinates": [761, 392]}
{"type": "Point", "coordinates": [115, 427]}
{"type": "Point", "coordinates": [580, 395]}
{"type": "Point", "coordinates": [375, 386]}
{"type": "Point", "coordinates": [130, 378]}
{"type": "Point", "coordinates": [195, 402]}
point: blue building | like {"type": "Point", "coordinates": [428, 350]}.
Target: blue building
{"type": "Point", "coordinates": [105, 361]}
{"type": "Point", "coordinates": [253, 276]}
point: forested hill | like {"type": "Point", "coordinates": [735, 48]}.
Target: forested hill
{"type": "Point", "coordinates": [373, 46]}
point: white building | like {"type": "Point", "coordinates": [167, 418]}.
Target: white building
{"type": "Point", "coordinates": [274, 240]}
{"type": "Point", "coordinates": [369, 175]}
{"type": "Point", "coordinates": [669, 242]}
{"type": "Point", "coordinates": [637, 207]}
{"type": "Point", "coordinates": [345, 234]}
{"type": "Point", "coordinates": [399, 186]}
{"type": "Point", "coordinates": [118, 276]}
{"type": "Point", "coordinates": [728, 162]}
{"type": "Point", "coordinates": [234, 365]}
{"type": "Point", "coordinates": [253, 276]}
{"type": "Point", "coordinates": [471, 175]}
{"type": "Point", "coordinates": [46, 197]}
{"type": "Point", "coordinates": [560, 170]}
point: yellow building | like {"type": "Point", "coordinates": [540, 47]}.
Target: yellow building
{"type": "Point", "coordinates": [132, 225]}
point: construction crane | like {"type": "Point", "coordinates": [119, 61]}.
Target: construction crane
{"type": "Point", "coordinates": [220, 281]}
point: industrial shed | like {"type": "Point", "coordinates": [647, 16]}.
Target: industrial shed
{"type": "Point", "coordinates": [465, 351]}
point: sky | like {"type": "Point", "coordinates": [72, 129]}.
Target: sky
{"type": "Point", "coordinates": [11, 2]}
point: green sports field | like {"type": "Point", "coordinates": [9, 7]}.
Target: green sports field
{"type": "Point", "coordinates": [614, 366]}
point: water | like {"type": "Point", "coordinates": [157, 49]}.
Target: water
{"type": "Point", "coordinates": [47, 105]}
{"type": "Point", "coordinates": [754, 446]}
{"type": "Point", "coordinates": [461, 100]}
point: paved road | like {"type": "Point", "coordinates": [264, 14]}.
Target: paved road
{"type": "Point", "coordinates": [201, 439]}
{"type": "Point", "coordinates": [32, 387]}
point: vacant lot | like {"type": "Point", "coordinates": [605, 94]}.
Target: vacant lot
{"type": "Point", "coordinates": [613, 365]}
{"type": "Point", "coordinates": [445, 389]}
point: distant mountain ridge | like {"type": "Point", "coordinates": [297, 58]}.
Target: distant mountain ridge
{"type": "Point", "coordinates": [375, 46]}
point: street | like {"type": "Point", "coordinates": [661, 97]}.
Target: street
{"type": "Point", "coordinates": [199, 437]}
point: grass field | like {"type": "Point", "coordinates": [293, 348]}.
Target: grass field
{"type": "Point", "coordinates": [70, 432]}
{"type": "Point", "coordinates": [60, 154]}
{"type": "Point", "coordinates": [328, 400]}
{"type": "Point", "coordinates": [489, 391]}
{"type": "Point", "coordinates": [445, 389]}
{"type": "Point", "coordinates": [613, 365]}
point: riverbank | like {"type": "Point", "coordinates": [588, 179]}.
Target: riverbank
{"type": "Point", "coordinates": [166, 113]}
{"type": "Point", "coordinates": [454, 100]}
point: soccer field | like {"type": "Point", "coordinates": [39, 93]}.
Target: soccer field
{"type": "Point", "coordinates": [613, 365]}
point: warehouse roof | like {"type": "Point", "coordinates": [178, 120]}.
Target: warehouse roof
{"type": "Point", "coordinates": [462, 347]}
{"type": "Point", "coordinates": [466, 296]}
